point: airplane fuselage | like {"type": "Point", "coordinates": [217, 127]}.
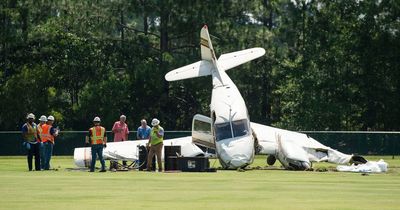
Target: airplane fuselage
{"type": "Point", "coordinates": [230, 123]}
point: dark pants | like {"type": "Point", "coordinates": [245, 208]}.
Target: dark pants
{"type": "Point", "coordinates": [47, 151]}
{"type": "Point", "coordinates": [34, 150]}
{"type": "Point", "coordinates": [97, 149]}
{"type": "Point", "coordinates": [155, 150]}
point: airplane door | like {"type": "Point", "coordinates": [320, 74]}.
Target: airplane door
{"type": "Point", "coordinates": [202, 131]}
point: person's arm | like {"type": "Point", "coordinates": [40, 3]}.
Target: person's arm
{"type": "Point", "coordinates": [160, 133]}
{"type": "Point", "coordinates": [37, 134]}
{"type": "Point", "coordinates": [105, 138]}
{"type": "Point", "coordinates": [149, 138]}
{"type": "Point", "coordinates": [114, 129]}
{"type": "Point", "coordinates": [88, 136]}
{"type": "Point", "coordinates": [138, 133]}
{"type": "Point", "coordinates": [126, 132]}
{"type": "Point", "coordinates": [24, 131]}
{"type": "Point", "coordinates": [53, 131]}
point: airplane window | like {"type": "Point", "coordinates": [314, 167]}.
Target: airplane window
{"type": "Point", "coordinates": [240, 128]}
{"type": "Point", "coordinates": [223, 131]}
{"type": "Point", "coordinates": [202, 127]}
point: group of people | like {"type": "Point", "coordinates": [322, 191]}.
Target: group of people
{"type": "Point", "coordinates": [97, 138]}
{"type": "Point", "coordinates": [39, 141]}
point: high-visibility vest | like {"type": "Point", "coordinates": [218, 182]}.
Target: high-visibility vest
{"type": "Point", "coordinates": [154, 138]}
{"type": "Point", "coordinates": [39, 130]}
{"type": "Point", "coordinates": [31, 134]}
{"type": "Point", "coordinates": [97, 135]}
{"type": "Point", "coordinates": [46, 136]}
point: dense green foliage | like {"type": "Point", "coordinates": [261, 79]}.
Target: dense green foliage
{"type": "Point", "coordinates": [330, 64]}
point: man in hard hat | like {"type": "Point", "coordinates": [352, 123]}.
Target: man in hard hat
{"type": "Point", "coordinates": [98, 140]}
{"type": "Point", "coordinates": [49, 133]}
{"type": "Point", "coordinates": [42, 121]}
{"type": "Point", "coordinates": [31, 141]}
{"type": "Point", "coordinates": [143, 131]}
{"type": "Point", "coordinates": [121, 131]}
{"type": "Point", "coordinates": [156, 144]}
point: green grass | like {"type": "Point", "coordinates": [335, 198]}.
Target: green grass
{"type": "Point", "coordinates": [254, 189]}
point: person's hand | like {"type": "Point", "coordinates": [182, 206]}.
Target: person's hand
{"type": "Point", "coordinates": [105, 145]}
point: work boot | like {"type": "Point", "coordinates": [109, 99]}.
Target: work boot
{"type": "Point", "coordinates": [103, 170]}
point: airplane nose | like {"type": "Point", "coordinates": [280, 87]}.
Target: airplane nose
{"type": "Point", "coordinates": [235, 153]}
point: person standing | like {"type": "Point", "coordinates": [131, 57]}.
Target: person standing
{"type": "Point", "coordinates": [156, 144]}
{"type": "Point", "coordinates": [42, 121]}
{"type": "Point", "coordinates": [31, 141]}
{"type": "Point", "coordinates": [143, 131]}
{"type": "Point", "coordinates": [49, 133]}
{"type": "Point", "coordinates": [121, 131]}
{"type": "Point", "coordinates": [98, 140]}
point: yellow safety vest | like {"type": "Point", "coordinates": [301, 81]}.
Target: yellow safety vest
{"type": "Point", "coordinates": [97, 135]}
{"type": "Point", "coordinates": [154, 138]}
{"type": "Point", "coordinates": [40, 131]}
{"type": "Point", "coordinates": [31, 133]}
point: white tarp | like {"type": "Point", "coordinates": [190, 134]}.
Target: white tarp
{"type": "Point", "coordinates": [129, 150]}
{"type": "Point", "coordinates": [369, 167]}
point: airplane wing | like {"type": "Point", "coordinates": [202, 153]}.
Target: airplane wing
{"type": "Point", "coordinates": [231, 60]}
{"type": "Point", "coordinates": [129, 150]}
{"type": "Point", "coordinates": [295, 149]}
{"type": "Point", "coordinates": [198, 69]}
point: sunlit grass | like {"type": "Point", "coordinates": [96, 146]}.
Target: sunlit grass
{"type": "Point", "coordinates": [254, 189]}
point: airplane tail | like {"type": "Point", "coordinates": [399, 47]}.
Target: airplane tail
{"type": "Point", "coordinates": [209, 63]}
{"type": "Point", "coordinates": [207, 50]}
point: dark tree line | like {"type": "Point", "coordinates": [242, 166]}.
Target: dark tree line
{"type": "Point", "coordinates": [329, 64]}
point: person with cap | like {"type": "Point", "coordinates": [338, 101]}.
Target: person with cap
{"type": "Point", "coordinates": [42, 121]}
{"type": "Point", "coordinates": [156, 144]}
{"type": "Point", "coordinates": [31, 141]}
{"type": "Point", "coordinates": [143, 131]}
{"type": "Point", "coordinates": [121, 131]}
{"type": "Point", "coordinates": [49, 133]}
{"type": "Point", "coordinates": [98, 140]}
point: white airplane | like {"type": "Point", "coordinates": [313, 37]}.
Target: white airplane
{"type": "Point", "coordinates": [231, 123]}
{"type": "Point", "coordinates": [229, 129]}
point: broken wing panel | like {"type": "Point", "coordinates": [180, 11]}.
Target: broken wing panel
{"type": "Point", "coordinates": [265, 136]}
{"type": "Point", "coordinates": [289, 146]}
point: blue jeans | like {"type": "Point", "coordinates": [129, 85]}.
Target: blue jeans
{"type": "Point", "coordinates": [47, 151]}
{"type": "Point", "coordinates": [97, 149]}
{"type": "Point", "coordinates": [42, 159]}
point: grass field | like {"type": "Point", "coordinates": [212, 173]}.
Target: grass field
{"type": "Point", "coordinates": [254, 189]}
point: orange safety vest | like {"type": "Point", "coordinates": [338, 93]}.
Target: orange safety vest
{"type": "Point", "coordinates": [97, 135]}
{"type": "Point", "coordinates": [46, 136]}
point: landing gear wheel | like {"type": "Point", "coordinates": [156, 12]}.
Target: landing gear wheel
{"type": "Point", "coordinates": [271, 159]}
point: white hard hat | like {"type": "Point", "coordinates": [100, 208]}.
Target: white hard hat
{"type": "Point", "coordinates": [30, 116]}
{"type": "Point", "coordinates": [155, 122]}
{"type": "Point", "coordinates": [43, 118]}
{"type": "Point", "coordinates": [122, 116]}
{"type": "Point", "coordinates": [96, 119]}
{"type": "Point", "coordinates": [50, 118]}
